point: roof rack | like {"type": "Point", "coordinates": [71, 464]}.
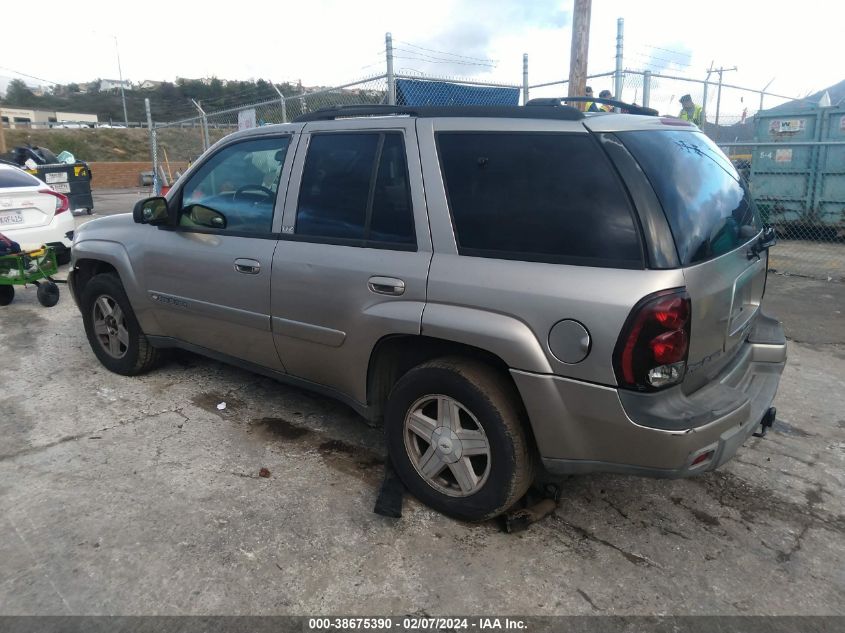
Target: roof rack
{"type": "Point", "coordinates": [631, 108]}
{"type": "Point", "coordinates": [555, 111]}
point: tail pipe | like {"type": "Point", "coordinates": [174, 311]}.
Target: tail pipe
{"type": "Point", "coordinates": [767, 422]}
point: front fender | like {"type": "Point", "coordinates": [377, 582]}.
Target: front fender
{"type": "Point", "coordinates": [116, 255]}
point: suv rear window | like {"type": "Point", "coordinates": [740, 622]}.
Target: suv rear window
{"type": "Point", "coordinates": [543, 197]}
{"type": "Point", "coordinates": [708, 207]}
{"type": "Point", "coordinates": [17, 178]}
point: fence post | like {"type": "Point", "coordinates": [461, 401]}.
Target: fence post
{"type": "Point", "coordinates": [391, 78]}
{"type": "Point", "coordinates": [524, 78]}
{"type": "Point", "coordinates": [282, 100]}
{"type": "Point", "coordinates": [153, 147]}
{"type": "Point", "coordinates": [617, 87]}
{"type": "Point", "coordinates": [205, 139]}
{"type": "Point", "coordinates": [646, 87]}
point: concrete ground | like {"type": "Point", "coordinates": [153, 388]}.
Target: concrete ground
{"type": "Point", "coordinates": [139, 496]}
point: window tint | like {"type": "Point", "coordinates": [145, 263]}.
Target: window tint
{"type": "Point", "coordinates": [392, 215]}
{"type": "Point", "coordinates": [537, 197]}
{"type": "Point", "coordinates": [17, 178]}
{"type": "Point", "coordinates": [241, 182]}
{"type": "Point", "coordinates": [708, 207]}
{"type": "Point", "coordinates": [355, 187]}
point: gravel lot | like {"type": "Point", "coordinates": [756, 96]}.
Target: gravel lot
{"type": "Point", "coordinates": [138, 496]}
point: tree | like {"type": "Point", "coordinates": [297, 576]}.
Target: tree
{"type": "Point", "coordinates": [18, 94]}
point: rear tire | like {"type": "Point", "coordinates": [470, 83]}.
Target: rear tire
{"type": "Point", "coordinates": [63, 258]}
{"type": "Point", "coordinates": [113, 331]}
{"type": "Point", "coordinates": [7, 295]}
{"type": "Point", "coordinates": [456, 434]}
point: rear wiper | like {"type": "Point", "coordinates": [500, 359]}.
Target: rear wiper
{"type": "Point", "coordinates": [767, 239]}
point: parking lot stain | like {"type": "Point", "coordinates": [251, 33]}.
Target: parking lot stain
{"type": "Point", "coordinates": [352, 460]}
{"type": "Point", "coordinates": [282, 428]}
{"type": "Point", "coordinates": [787, 429]}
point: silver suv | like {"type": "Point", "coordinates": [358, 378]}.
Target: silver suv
{"type": "Point", "coordinates": [504, 287]}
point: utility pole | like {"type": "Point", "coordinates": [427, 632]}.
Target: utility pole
{"type": "Point", "coordinates": [580, 48]}
{"type": "Point", "coordinates": [720, 70]}
{"type": "Point", "coordinates": [2, 138]}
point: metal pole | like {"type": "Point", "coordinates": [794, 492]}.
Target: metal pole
{"type": "Point", "coordinates": [284, 105]}
{"type": "Point", "coordinates": [763, 91]}
{"type": "Point", "coordinates": [646, 87]}
{"type": "Point", "coordinates": [706, 85]}
{"type": "Point", "coordinates": [720, 70]}
{"type": "Point", "coordinates": [391, 77]}
{"type": "Point", "coordinates": [122, 93]}
{"type": "Point", "coordinates": [153, 148]}
{"type": "Point", "coordinates": [617, 87]}
{"type": "Point", "coordinates": [205, 140]}
{"type": "Point", "coordinates": [524, 78]}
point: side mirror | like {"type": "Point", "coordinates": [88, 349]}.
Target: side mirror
{"type": "Point", "coordinates": [205, 216]}
{"type": "Point", "coordinates": [151, 211]}
{"type": "Point", "coordinates": [769, 237]}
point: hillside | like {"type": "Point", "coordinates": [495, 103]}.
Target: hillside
{"type": "Point", "coordinates": [168, 101]}
{"type": "Point", "coordinates": [104, 144]}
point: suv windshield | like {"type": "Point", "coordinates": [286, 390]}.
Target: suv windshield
{"type": "Point", "coordinates": [708, 207]}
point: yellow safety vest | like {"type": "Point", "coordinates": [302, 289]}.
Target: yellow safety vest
{"type": "Point", "coordinates": [696, 117]}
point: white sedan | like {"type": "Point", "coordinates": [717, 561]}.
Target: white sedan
{"type": "Point", "coordinates": [32, 214]}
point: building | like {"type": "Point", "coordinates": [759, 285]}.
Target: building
{"type": "Point", "coordinates": [26, 118]}
{"type": "Point", "coordinates": [107, 85]}
{"type": "Point", "coordinates": [149, 84]}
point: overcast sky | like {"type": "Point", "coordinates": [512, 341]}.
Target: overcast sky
{"type": "Point", "coordinates": [324, 42]}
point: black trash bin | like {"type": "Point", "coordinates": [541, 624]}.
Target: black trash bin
{"type": "Point", "coordinates": [73, 180]}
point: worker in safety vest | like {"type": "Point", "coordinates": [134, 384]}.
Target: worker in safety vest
{"type": "Point", "coordinates": [590, 106]}
{"type": "Point", "coordinates": [691, 112]}
{"type": "Point", "coordinates": [605, 107]}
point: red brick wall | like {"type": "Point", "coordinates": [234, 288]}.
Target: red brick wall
{"type": "Point", "coordinates": [124, 175]}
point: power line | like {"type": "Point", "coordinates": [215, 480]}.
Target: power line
{"type": "Point", "coordinates": [438, 60]}
{"type": "Point", "coordinates": [17, 72]}
{"type": "Point", "coordinates": [667, 50]}
{"type": "Point", "coordinates": [431, 50]}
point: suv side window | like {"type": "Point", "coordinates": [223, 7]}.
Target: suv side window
{"type": "Point", "coordinates": [542, 197]}
{"type": "Point", "coordinates": [355, 190]}
{"type": "Point", "coordinates": [240, 182]}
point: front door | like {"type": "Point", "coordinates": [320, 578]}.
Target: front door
{"type": "Point", "coordinates": [208, 278]}
{"type": "Point", "coordinates": [352, 264]}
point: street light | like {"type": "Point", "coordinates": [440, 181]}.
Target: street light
{"type": "Point", "coordinates": [122, 93]}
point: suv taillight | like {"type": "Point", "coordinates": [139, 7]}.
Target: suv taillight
{"type": "Point", "coordinates": [652, 349]}
{"type": "Point", "coordinates": [62, 202]}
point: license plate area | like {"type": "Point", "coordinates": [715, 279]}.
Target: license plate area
{"type": "Point", "coordinates": [11, 218]}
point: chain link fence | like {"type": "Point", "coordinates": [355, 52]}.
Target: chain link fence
{"type": "Point", "coordinates": [799, 190]}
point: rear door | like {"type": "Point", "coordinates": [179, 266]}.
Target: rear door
{"type": "Point", "coordinates": [352, 264]}
{"type": "Point", "coordinates": [21, 205]}
{"type": "Point", "coordinates": [713, 222]}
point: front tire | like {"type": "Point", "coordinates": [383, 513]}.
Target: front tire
{"type": "Point", "coordinates": [457, 437]}
{"type": "Point", "coordinates": [113, 331]}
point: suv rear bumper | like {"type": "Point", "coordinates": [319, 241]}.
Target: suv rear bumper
{"type": "Point", "coordinates": [582, 427]}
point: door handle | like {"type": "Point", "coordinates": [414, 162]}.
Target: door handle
{"type": "Point", "coordinates": [247, 266]}
{"type": "Point", "coordinates": [386, 286]}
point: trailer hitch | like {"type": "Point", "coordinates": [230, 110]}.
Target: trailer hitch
{"type": "Point", "coordinates": [767, 422]}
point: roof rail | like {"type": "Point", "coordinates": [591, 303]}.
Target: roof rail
{"type": "Point", "coordinates": [552, 111]}
{"type": "Point", "coordinates": [631, 108]}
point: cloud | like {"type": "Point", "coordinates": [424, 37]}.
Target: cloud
{"type": "Point", "coordinates": [464, 47]}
